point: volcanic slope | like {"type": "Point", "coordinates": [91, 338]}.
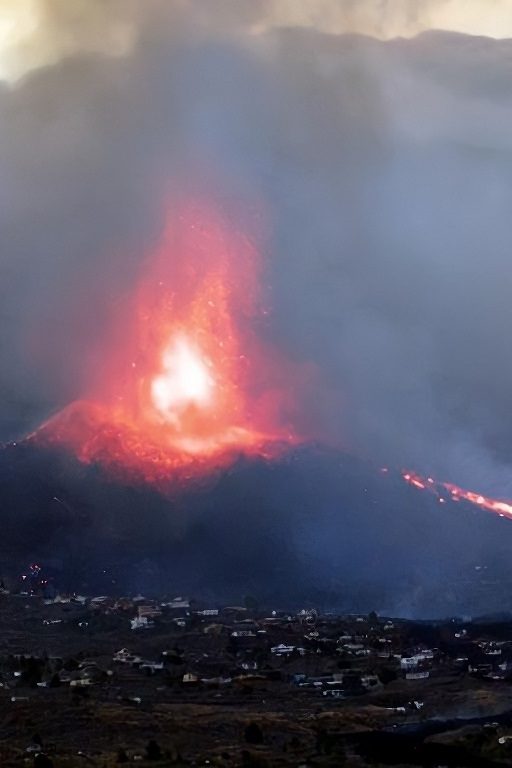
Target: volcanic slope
{"type": "Point", "coordinates": [314, 527]}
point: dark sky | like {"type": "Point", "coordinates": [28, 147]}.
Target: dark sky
{"type": "Point", "coordinates": [385, 170]}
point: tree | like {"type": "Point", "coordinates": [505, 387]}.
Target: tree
{"type": "Point", "coordinates": [153, 751]}
{"type": "Point", "coordinates": [251, 603]}
{"type": "Point", "coordinates": [253, 734]}
{"type": "Point", "coordinates": [387, 675]}
{"type": "Point", "coordinates": [42, 761]}
{"type": "Point", "coordinates": [31, 674]}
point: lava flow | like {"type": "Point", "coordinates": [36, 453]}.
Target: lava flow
{"type": "Point", "coordinates": [185, 384]}
{"type": "Point", "coordinates": [445, 491]}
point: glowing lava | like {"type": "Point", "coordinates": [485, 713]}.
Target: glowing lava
{"type": "Point", "coordinates": [444, 491]}
{"type": "Point", "coordinates": [185, 383]}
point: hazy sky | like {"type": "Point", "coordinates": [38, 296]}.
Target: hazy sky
{"type": "Point", "coordinates": [38, 32]}
{"type": "Point", "coordinates": [385, 167]}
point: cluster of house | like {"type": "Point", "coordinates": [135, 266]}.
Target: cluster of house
{"type": "Point", "coordinates": [418, 665]}
{"type": "Point", "coordinates": [337, 656]}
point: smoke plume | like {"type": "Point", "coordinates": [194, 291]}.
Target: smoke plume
{"type": "Point", "coordinates": [383, 169]}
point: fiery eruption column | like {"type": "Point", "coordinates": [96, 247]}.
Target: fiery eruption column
{"type": "Point", "coordinates": [186, 383]}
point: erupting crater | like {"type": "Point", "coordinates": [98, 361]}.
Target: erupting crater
{"type": "Point", "coordinates": [186, 384]}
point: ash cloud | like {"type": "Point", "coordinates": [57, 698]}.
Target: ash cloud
{"type": "Point", "coordinates": [384, 168]}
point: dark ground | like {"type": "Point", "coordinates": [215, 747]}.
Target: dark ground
{"type": "Point", "coordinates": [317, 526]}
{"type": "Point", "coordinates": [246, 708]}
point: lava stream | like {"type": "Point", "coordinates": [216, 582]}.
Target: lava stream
{"type": "Point", "coordinates": [444, 491]}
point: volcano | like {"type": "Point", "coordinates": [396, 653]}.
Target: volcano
{"type": "Point", "coordinates": [312, 526]}
{"type": "Point", "coordinates": [185, 382]}
{"type": "Point", "coordinates": [181, 467]}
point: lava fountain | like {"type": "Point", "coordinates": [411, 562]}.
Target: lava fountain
{"type": "Point", "coordinates": [186, 384]}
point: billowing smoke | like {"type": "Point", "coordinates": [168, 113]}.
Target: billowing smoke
{"type": "Point", "coordinates": [383, 168]}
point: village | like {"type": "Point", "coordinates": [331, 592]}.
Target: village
{"type": "Point", "coordinates": [203, 683]}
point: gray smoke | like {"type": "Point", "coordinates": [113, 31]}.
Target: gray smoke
{"type": "Point", "coordinates": [385, 170]}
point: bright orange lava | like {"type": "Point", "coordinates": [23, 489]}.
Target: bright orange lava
{"type": "Point", "coordinates": [444, 491]}
{"type": "Point", "coordinates": [186, 385]}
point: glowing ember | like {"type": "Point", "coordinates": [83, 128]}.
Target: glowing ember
{"type": "Point", "coordinates": [185, 383]}
{"type": "Point", "coordinates": [448, 490]}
